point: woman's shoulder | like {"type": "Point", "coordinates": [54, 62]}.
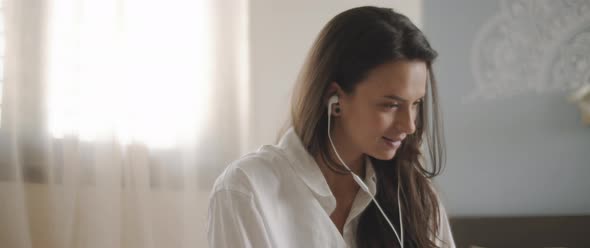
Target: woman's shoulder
{"type": "Point", "coordinates": [444, 235]}
{"type": "Point", "coordinates": [261, 168]}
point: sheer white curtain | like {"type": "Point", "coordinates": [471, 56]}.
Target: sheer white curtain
{"type": "Point", "coordinates": [116, 117]}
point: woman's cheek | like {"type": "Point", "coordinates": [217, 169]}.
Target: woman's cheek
{"type": "Point", "coordinates": [382, 121]}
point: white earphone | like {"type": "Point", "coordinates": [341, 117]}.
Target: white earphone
{"type": "Point", "coordinates": [359, 181]}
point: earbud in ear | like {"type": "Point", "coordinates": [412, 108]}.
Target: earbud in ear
{"type": "Point", "coordinates": [333, 100]}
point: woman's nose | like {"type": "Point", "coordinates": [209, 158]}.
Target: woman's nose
{"type": "Point", "coordinates": [405, 121]}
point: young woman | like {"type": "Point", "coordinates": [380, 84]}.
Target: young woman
{"type": "Point", "coordinates": [349, 172]}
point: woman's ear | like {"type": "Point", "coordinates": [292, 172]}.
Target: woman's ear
{"type": "Point", "coordinates": [334, 89]}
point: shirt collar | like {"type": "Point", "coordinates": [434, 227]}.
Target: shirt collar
{"type": "Point", "coordinates": [308, 170]}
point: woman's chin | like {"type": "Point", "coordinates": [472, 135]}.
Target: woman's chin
{"type": "Point", "coordinates": [384, 155]}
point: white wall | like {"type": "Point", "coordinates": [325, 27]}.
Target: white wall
{"type": "Point", "coordinates": [281, 33]}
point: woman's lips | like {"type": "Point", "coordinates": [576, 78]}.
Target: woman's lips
{"type": "Point", "coordinates": [392, 143]}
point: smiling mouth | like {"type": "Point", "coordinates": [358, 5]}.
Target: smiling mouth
{"type": "Point", "coordinates": [392, 142]}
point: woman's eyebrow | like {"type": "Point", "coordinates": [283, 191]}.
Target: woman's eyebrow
{"type": "Point", "coordinates": [397, 98]}
{"type": "Point", "coordinates": [401, 99]}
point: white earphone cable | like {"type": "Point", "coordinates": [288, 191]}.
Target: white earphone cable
{"type": "Point", "coordinates": [363, 186]}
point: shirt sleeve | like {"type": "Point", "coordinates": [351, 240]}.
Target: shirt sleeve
{"type": "Point", "coordinates": [445, 236]}
{"type": "Point", "coordinates": [234, 221]}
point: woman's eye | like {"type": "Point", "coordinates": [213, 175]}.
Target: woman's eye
{"type": "Point", "coordinates": [389, 105]}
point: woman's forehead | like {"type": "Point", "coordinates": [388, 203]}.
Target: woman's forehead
{"type": "Point", "coordinates": [403, 78]}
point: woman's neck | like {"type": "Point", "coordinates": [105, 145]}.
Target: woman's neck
{"type": "Point", "coordinates": [342, 184]}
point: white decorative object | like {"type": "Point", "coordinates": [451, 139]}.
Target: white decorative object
{"type": "Point", "coordinates": [582, 98]}
{"type": "Point", "coordinates": [538, 46]}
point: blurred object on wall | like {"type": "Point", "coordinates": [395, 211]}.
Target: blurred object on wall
{"type": "Point", "coordinates": [582, 98]}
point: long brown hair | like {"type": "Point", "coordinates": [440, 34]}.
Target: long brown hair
{"type": "Point", "coordinates": [347, 48]}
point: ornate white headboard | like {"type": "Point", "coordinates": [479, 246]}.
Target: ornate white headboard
{"type": "Point", "coordinates": [532, 46]}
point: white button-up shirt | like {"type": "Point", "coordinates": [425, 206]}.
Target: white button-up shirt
{"type": "Point", "coordinates": [278, 197]}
